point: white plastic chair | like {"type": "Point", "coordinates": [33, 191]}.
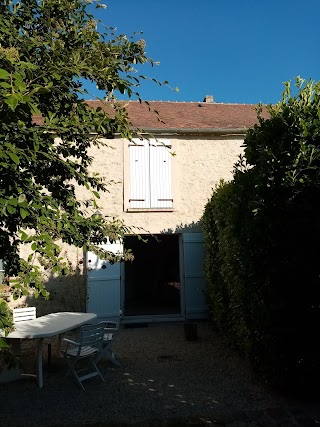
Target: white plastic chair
{"type": "Point", "coordinates": [89, 347]}
{"type": "Point", "coordinates": [111, 329]}
{"type": "Point", "coordinates": [24, 314]}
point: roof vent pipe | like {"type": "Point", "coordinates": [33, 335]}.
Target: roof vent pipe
{"type": "Point", "coordinates": [208, 99]}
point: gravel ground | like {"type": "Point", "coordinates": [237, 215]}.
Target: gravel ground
{"type": "Point", "coordinates": [163, 380]}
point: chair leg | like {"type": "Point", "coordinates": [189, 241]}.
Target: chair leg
{"type": "Point", "coordinates": [72, 370]}
{"type": "Point", "coordinates": [78, 380]}
{"type": "Point", "coordinates": [71, 365]}
{"type": "Point", "coordinates": [96, 368]}
{"type": "Point", "coordinates": [114, 358]}
{"type": "Point", "coordinates": [111, 356]}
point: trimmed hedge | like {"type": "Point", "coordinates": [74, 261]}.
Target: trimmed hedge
{"type": "Point", "coordinates": [262, 236]}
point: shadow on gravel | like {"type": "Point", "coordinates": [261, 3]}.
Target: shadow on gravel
{"type": "Point", "coordinates": [164, 380]}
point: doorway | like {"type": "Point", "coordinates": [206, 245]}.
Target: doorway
{"type": "Point", "coordinates": [152, 280]}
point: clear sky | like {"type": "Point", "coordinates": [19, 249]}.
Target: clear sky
{"type": "Point", "coordinates": [239, 51]}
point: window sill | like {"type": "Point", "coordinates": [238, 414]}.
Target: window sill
{"type": "Point", "coordinates": [130, 210]}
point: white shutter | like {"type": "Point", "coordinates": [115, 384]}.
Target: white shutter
{"type": "Point", "coordinates": [139, 174]}
{"type": "Point", "coordinates": [193, 275]}
{"type": "Point", "coordinates": [160, 174]}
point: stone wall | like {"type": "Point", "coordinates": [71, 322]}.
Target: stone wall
{"type": "Point", "coordinates": [67, 293]}
{"type": "Point", "coordinates": [198, 166]}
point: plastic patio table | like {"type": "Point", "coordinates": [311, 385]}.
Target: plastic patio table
{"type": "Point", "coordinates": [48, 326]}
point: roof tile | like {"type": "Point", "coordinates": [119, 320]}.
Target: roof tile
{"type": "Point", "coordinates": [184, 115]}
{"type": "Point", "coordinates": [189, 115]}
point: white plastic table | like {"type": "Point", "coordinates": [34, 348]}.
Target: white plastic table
{"type": "Point", "coordinates": [48, 326]}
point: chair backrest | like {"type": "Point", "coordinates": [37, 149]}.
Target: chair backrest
{"type": "Point", "coordinates": [119, 319]}
{"type": "Point", "coordinates": [113, 324]}
{"type": "Point", "coordinates": [92, 335]}
{"type": "Point", "coordinates": [24, 314]}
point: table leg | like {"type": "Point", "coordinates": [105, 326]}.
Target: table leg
{"type": "Point", "coordinates": [49, 354]}
{"type": "Point", "coordinates": [39, 363]}
{"type": "Point", "coordinates": [59, 345]}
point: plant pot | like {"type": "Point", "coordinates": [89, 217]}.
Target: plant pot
{"type": "Point", "coordinates": [191, 331]}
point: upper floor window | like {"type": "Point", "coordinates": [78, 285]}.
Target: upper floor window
{"type": "Point", "coordinates": [150, 174]}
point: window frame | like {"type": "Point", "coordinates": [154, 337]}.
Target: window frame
{"type": "Point", "coordinates": [166, 142]}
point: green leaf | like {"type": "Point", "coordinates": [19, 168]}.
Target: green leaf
{"type": "Point", "coordinates": [11, 209]}
{"type": "Point", "coordinates": [33, 106]}
{"type": "Point", "coordinates": [12, 101]}
{"type": "Point", "coordinates": [15, 158]}
{"type": "Point", "coordinates": [20, 85]}
{"type": "Point", "coordinates": [5, 85]}
{"type": "Point", "coordinates": [17, 77]}
{"type": "Point", "coordinates": [23, 213]}
{"type": "Point", "coordinates": [23, 235]}
{"type": "Point", "coordinates": [28, 65]}
{"type": "Point", "coordinates": [4, 75]}
{"type": "Point", "coordinates": [96, 194]}
{"type": "Point", "coordinates": [13, 201]}
{"type": "Point", "coordinates": [3, 343]}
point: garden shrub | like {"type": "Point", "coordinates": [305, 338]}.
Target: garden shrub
{"type": "Point", "coordinates": [262, 234]}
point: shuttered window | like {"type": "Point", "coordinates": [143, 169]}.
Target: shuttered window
{"type": "Point", "coordinates": [150, 175]}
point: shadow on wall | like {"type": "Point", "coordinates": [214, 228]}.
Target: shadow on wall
{"type": "Point", "coordinates": [192, 227]}
{"type": "Point", "coordinates": [67, 293]}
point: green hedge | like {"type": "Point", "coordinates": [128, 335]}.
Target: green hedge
{"type": "Point", "coordinates": [262, 236]}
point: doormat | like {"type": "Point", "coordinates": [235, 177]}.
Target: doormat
{"type": "Point", "coordinates": [135, 325]}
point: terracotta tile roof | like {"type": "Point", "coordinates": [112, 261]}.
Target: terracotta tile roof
{"type": "Point", "coordinates": [189, 115]}
{"type": "Point", "coordinates": [185, 115]}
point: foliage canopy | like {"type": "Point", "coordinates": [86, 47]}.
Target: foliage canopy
{"type": "Point", "coordinates": [48, 48]}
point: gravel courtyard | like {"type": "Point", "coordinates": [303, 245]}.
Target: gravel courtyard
{"type": "Point", "coordinates": [163, 380]}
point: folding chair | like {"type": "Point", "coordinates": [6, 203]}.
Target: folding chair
{"type": "Point", "coordinates": [88, 348]}
{"type": "Point", "coordinates": [111, 330]}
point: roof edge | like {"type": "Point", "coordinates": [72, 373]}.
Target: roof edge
{"type": "Point", "coordinates": [197, 131]}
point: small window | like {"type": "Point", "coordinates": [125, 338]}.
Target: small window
{"type": "Point", "coordinates": [150, 175]}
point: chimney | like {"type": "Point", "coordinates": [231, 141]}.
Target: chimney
{"type": "Point", "coordinates": [208, 99]}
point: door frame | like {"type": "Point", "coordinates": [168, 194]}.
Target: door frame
{"type": "Point", "coordinates": [149, 318]}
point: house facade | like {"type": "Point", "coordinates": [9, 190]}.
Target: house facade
{"type": "Point", "coordinates": [160, 185]}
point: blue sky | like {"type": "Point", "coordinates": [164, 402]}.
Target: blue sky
{"type": "Point", "coordinates": [239, 51]}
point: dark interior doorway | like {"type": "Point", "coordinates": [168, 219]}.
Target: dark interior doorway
{"type": "Point", "coordinates": [152, 282]}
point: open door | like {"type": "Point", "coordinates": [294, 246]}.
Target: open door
{"type": "Point", "coordinates": [152, 281]}
{"type": "Point", "coordinates": [104, 283]}
{"type": "Point", "coordinates": [193, 276]}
